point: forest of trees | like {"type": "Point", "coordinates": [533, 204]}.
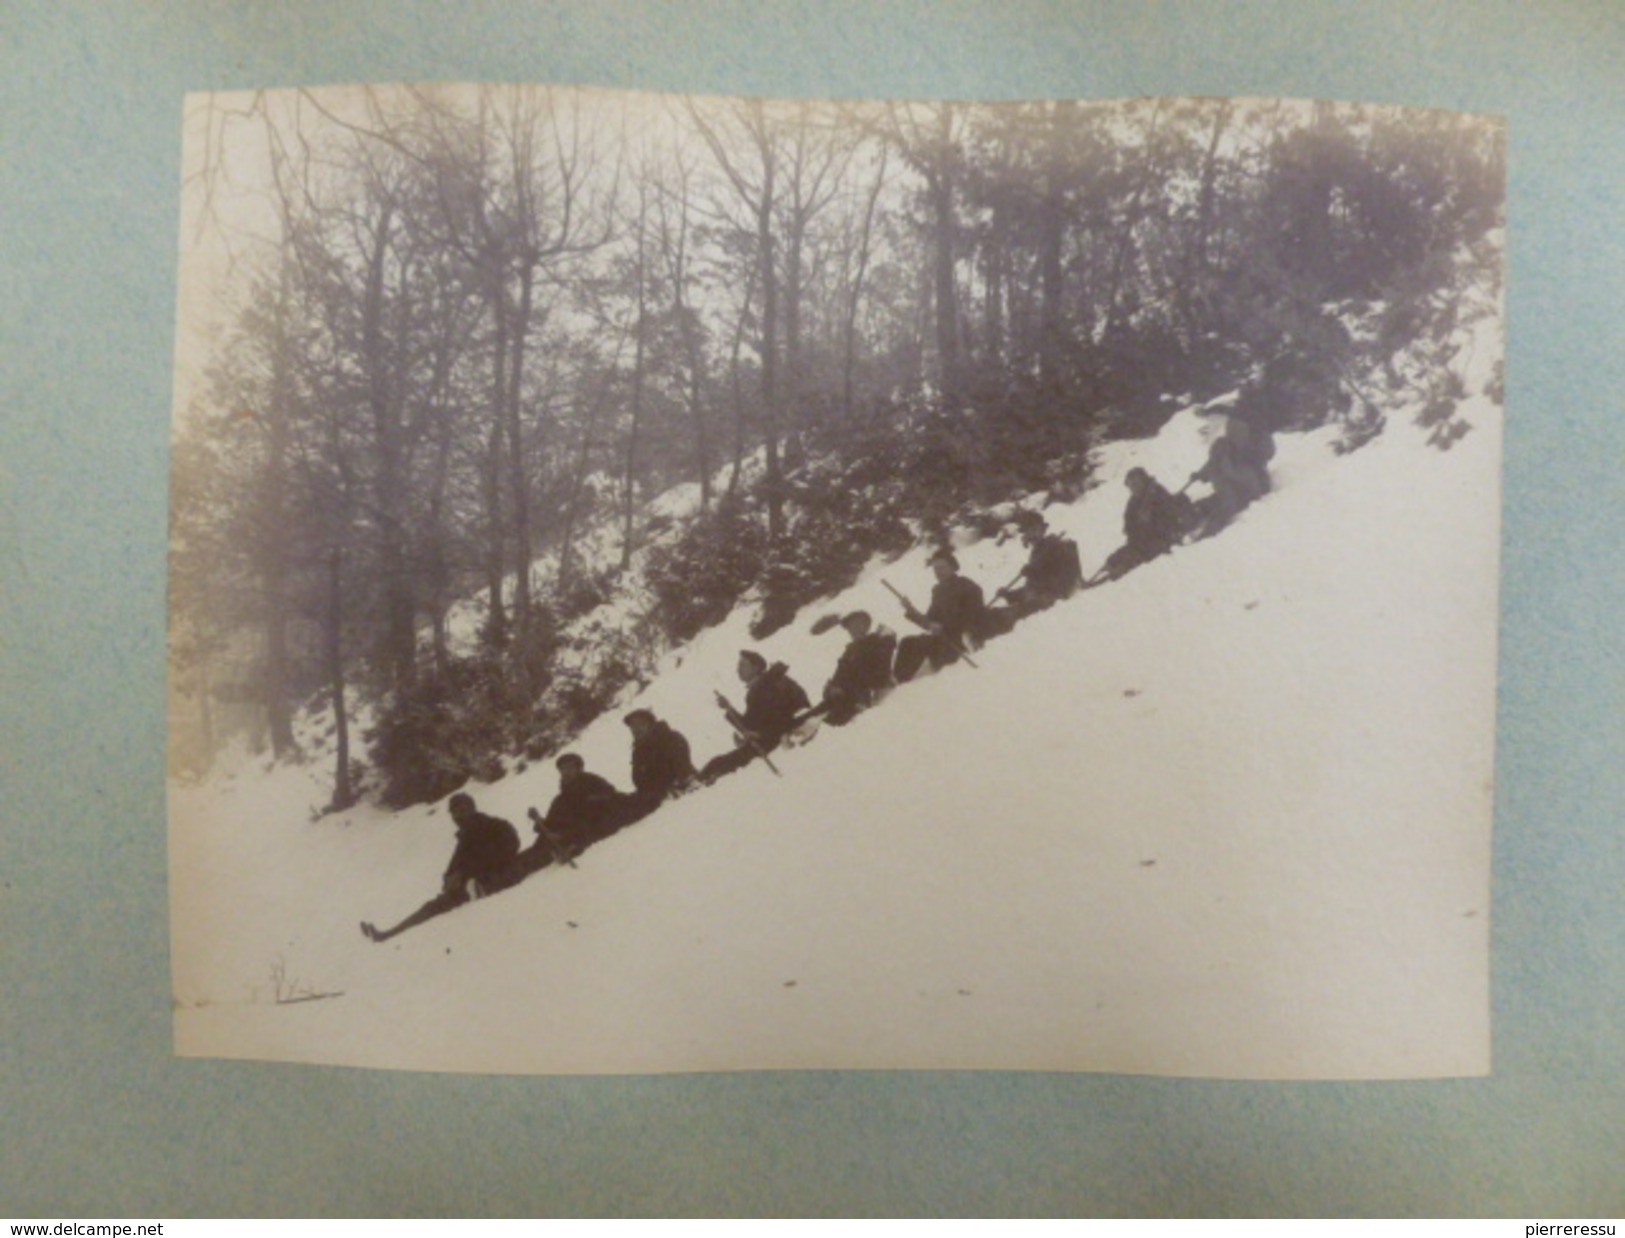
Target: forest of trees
{"type": "Point", "coordinates": [467, 337]}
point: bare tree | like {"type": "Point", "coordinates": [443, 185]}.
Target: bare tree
{"type": "Point", "coordinates": [928, 136]}
{"type": "Point", "coordinates": [673, 211]}
{"type": "Point", "coordinates": [753, 174]}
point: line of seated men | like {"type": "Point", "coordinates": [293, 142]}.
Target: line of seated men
{"type": "Point", "coordinates": [588, 808]}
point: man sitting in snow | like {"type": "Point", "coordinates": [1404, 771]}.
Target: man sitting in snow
{"type": "Point", "coordinates": [486, 847]}
{"type": "Point", "coordinates": [954, 622]}
{"type": "Point", "coordinates": [864, 673]}
{"type": "Point", "coordinates": [1053, 573]}
{"type": "Point", "coordinates": [662, 764]}
{"type": "Point", "coordinates": [586, 810]}
{"type": "Point", "coordinates": [1250, 431]}
{"type": "Point", "coordinates": [1153, 521]}
{"type": "Point", "coordinates": [773, 701]}
{"type": "Point", "coordinates": [1236, 469]}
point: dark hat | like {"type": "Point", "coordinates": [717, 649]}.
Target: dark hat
{"type": "Point", "coordinates": [754, 658]}
{"type": "Point", "coordinates": [945, 556]}
{"type": "Point", "coordinates": [646, 714]}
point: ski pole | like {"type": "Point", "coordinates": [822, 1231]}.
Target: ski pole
{"type": "Point", "coordinates": [1012, 583]}
{"type": "Point", "coordinates": [755, 745]}
{"type": "Point", "coordinates": [907, 605]}
{"type": "Point", "coordinates": [743, 736]}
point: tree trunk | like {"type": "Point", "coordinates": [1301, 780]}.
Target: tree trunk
{"type": "Point", "coordinates": [278, 712]}
{"type": "Point", "coordinates": [630, 488]}
{"type": "Point", "coordinates": [518, 480]}
{"type": "Point", "coordinates": [792, 378]}
{"type": "Point", "coordinates": [739, 413]}
{"type": "Point", "coordinates": [437, 568]}
{"type": "Point", "coordinates": [496, 623]}
{"type": "Point", "coordinates": [770, 355]}
{"type": "Point", "coordinates": [696, 404]}
{"type": "Point", "coordinates": [399, 636]}
{"type": "Point", "coordinates": [994, 262]}
{"type": "Point", "coordinates": [343, 792]}
{"type": "Point", "coordinates": [1131, 222]}
{"type": "Point", "coordinates": [1197, 253]}
{"type": "Point", "coordinates": [578, 479]}
{"type": "Point", "coordinates": [850, 343]}
{"type": "Point", "coordinates": [738, 387]}
{"type": "Point", "coordinates": [947, 317]}
{"type": "Point", "coordinates": [1050, 332]}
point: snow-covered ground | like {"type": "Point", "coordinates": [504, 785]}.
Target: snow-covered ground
{"type": "Point", "coordinates": [1229, 816]}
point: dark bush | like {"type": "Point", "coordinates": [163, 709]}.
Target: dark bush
{"type": "Point", "coordinates": [446, 728]}
{"type": "Point", "coordinates": [699, 577]}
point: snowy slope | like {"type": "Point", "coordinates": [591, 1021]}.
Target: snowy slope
{"type": "Point", "coordinates": [1228, 816]}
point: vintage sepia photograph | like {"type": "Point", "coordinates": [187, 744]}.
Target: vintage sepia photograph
{"type": "Point", "coordinates": [666, 583]}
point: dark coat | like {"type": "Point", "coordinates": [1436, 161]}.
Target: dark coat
{"type": "Point", "coordinates": [1237, 478]}
{"type": "Point", "coordinates": [1154, 520]}
{"type": "Point", "coordinates": [959, 608]}
{"type": "Point", "coordinates": [771, 704]}
{"type": "Point", "coordinates": [661, 761]}
{"type": "Point", "coordinates": [485, 846]}
{"type": "Point", "coordinates": [1252, 440]}
{"type": "Point", "coordinates": [865, 669]}
{"type": "Point", "coordinates": [586, 804]}
{"type": "Point", "coordinates": [1053, 569]}
{"type": "Point", "coordinates": [773, 701]}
